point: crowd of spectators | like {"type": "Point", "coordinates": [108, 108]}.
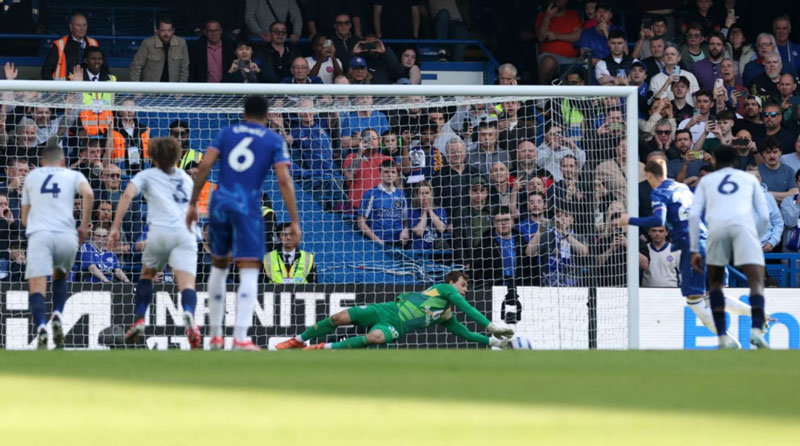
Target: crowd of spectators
{"type": "Point", "coordinates": [524, 192]}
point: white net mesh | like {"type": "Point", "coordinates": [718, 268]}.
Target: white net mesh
{"type": "Point", "coordinates": [523, 193]}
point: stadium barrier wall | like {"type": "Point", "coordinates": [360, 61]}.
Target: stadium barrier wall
{"type": "Point", "coordinates": [96, 319]}
{"type": "Point", "coordinates": [667, 323]}
{"type": "Point", "coordinates": [96, 316]}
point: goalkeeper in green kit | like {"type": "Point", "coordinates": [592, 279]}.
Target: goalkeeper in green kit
{"type": "Point", "coordinates": [390, 321]}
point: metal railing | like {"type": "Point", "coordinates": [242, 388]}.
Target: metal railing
{"type": "Point", "coordinates": [786, 272]}
{"type": "Point", "coordinates": [120, 48]}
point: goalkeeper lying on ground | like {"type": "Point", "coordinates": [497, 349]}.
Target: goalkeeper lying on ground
{"type": "Point", "coordinates": [390, 321]}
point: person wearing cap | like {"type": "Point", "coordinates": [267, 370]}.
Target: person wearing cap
{"type": "Point", "coordinates": [382, 63]}
{"type": "Point", "coordinates": [357, 73]}
{"type": "Point", "coordinates": [707, 70]}
{"type": "Point", "coordinates": [637, 77]}
{"type": "Point", "coordinates": [614, 68]}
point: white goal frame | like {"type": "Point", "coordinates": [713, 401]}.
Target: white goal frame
{"type": "Point", "coordinates": [629, 93]}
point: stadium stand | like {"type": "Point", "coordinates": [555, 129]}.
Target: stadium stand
{"type": "Point", "coordinates": [537, 30]}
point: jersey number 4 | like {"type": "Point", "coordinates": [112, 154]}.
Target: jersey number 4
{"type": "Point", "coordinates": [727, 187]}
{"type": "Point", "coordinates": [241, 157]}
{"type": "Point", "coordinates": [53, 189]}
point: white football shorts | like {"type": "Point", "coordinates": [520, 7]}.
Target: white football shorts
{"type": "Point", "coordinates": [178, 247]}
{"type": "Point", "coordinates": [48, 251]}
{"type": "Point", "coordinates": [741, 243]}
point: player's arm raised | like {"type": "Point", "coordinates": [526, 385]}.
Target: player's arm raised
{"type": "Point", "coordinates": [87, 202]}
{"type": "Point", "coordinates": [122, 209]}
{"type": "Point", "coordinates": [203, 169]}
{"type": "Point", "coordinates": [286, 186]}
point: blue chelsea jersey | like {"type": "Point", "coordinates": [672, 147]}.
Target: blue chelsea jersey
{"type": "Point", "coordinates": [675, 200]}
{"type": "Point", "coordinates": [247, 152]}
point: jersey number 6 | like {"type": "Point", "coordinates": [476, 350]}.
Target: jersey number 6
{"type": "Point", "coordinates": [727, 187]}
{"type": "Point", "coordinates": [241, 157]}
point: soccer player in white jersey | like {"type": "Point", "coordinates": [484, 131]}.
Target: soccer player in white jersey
{"type": "Point", "coordinates": [166, 189]}
{"type": "Point", "coordinates": [47, 202]}
{"type": "Point", "coordinates": [729, 199]}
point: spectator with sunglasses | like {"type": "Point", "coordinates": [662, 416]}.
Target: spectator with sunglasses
{"type": "Point", "coordinates": [343, 39]}
{"type": "Point", "coordinates": [664, 139]}
{"type": "Point", "coordinates": [280, 53]}
{"type": "Point", "coordinates": [179, 129]}
{"type": "Point", "coordinates": [772, 125]}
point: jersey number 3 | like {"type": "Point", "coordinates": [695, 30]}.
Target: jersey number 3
{"type": "Point", "coordinates": [180, 195]}
{"type": "Point", "coordinates": [53, 189]}
{"type": "Point", "coordinates": [727, 187]}
{"type": "Point", "coordinates": [241, 157]}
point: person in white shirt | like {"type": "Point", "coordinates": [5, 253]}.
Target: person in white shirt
{"type": "Point", "coordinates": [659, 84]}
{"type": "Point", "coordinates": [729, 199]}
{"type": "Point", "coordinates": [697, 123]}
{"type": "Point", "coordinates": [167, 190]}
{"type": "Point", "coordinates": [324, 63]}
{"type": "Point", "coordinates": [554, 148]}
{"type": "Point", "coordinates": [664, 267]}
{"type": "Point", "coordinates": [47, 205]}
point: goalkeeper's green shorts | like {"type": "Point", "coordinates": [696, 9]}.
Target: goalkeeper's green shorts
{"type": "Point", "coordinates": [383, 317]}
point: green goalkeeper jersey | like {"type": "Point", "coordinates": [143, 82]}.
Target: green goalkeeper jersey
{"type": "Point", "coordinates": [434, 306]}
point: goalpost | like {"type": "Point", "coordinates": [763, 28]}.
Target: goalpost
{"type": "Point", "coordinates": [576, 289]}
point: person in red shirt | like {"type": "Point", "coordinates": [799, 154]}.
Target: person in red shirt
{"type": "Point", "coordinates": [557, 29]}
{"type": "Point", "coordinates": [363, 168]}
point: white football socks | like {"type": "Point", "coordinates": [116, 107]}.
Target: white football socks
{"type": "Point", "coordinates": [701, 308]}
{"type": "Point", "coordinates": [245, 302]}
{"type": "Point", "coordinates": [737, 307]}
{"type": "Point", "coordinates": [216, 300]}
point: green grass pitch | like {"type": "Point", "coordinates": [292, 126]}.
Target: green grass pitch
{"type": "Point", "coordinates": [409, 397]}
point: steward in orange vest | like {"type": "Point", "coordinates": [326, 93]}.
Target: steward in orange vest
{"type": "Point", "coordinates": [68, 51]}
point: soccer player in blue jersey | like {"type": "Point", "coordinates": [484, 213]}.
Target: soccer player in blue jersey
{"type": "Point", "coordinates": [383, 215]}
{"type": "Point", "coordinates": [672, 203]}
{"type": "Point", "coordinates": [247, 152]}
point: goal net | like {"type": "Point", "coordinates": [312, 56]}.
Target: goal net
{"type": "Point", "coordinates": [520, 187]}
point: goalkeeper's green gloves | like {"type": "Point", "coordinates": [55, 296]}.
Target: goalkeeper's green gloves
{"type": "Point", "coordinates": [499, 342]}
{"type": "Point", "coordinates": [500, 329]}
